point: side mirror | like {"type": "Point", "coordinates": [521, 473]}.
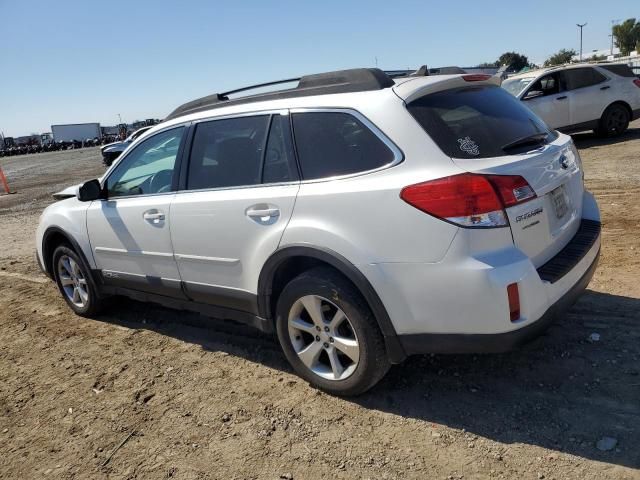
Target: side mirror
{"type": "Point", "coordinates": [89, 191]}
{"type": "Point", "coordinates": [533, 94]}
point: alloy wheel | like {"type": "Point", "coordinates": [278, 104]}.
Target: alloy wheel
{"type": "Point", "coordinates": [74, 283]}
{"type": "Point", "coordinates": [323, 338]}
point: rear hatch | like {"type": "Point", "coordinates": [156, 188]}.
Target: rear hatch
{"type": "Point", "coordinates": [487, 131]}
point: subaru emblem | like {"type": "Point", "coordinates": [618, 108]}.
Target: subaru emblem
{"type": "Point", "coordinates": [564, 162]}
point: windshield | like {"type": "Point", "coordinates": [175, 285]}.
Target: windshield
{"type": "Point", "coordinates": [515, 85]}
{"type": "Point", "coordinates": [479, 122]}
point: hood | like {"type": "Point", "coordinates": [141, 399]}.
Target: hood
{"type": "Point", "coordinates": [67, 192]}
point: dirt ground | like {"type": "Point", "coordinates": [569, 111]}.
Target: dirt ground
{"type": "Point", "coordinates": [147, 392]}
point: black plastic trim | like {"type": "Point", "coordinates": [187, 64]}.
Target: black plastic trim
{"type": "Point", "coordinates": [212, 311]}
{"type": "Point", "coordinates": [144, 283]}
{"type": "Point", "coordinates": [265, 285]}
{"type": "Point", "coordinates": [577, 127]}
{"type": "Point", "coordinates": [47, 251]}
{"type": "Point", "coordinates": [572, 253]}
{"type": "Point", "coordinates": [415, 344]}
{"type": "Point", "coordinates": [222, 297]}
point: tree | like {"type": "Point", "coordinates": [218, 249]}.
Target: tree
{"type": "Point", "coordinates": [488, 64]}
{"type": "Point", "coordinates": [627, 34]}
{"type": "Point", "coordinates": [560, 58]}
{"type": "Point", "coordinates": [513, 60]}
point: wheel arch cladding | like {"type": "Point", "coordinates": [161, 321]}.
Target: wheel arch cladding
{"type": "Point", "coordinates": [624, 104]}
{"type": "Point", "coordinates": [52, 238]}
{"type": "Point", "coordinates": [288, 262]}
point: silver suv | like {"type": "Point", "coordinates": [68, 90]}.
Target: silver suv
{"type": "Point", "coordinates": [362, 218]}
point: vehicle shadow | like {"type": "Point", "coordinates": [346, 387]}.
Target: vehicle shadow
{"type": "Point", "coordinates": [589, 139]}
{"type": "Point", "coordinates": [564, 391]}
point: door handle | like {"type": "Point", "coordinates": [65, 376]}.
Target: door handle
{"type": "Point", "coordinates": [263, 212]}
{"type": "Point", "coordinates": [561, 98]}
{"type": "Point", "coordinates": [153, 216]}
{"type": "Point", "coordinates": [605, 87]}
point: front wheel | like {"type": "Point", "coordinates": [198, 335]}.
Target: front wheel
{"type": "Point", "coordinates": [75, 283]}
{"type": "Point", "coordinates": [329, 334]}
{"type": "Point", "coordinates": [614, 121]}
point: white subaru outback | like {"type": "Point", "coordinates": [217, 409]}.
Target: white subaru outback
{"type": "Point", "coordinates": [362, 218]}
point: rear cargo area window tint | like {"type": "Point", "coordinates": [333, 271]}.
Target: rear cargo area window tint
{"type": "Point", "coordinates": [622, 70]}
{"type": "Point", "coordinates": [477, 122]}
{"type": "Point", "coordinates": [336, 143]}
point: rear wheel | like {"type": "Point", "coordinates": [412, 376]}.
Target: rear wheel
{"type": "Point", "coordinates": [614, 121]}
{"type": "Point", "coordinates": [329, 334]}
{"type": "Point", "coordinates": [75, 283]}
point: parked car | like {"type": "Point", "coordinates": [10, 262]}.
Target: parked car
{"type": "Point", "coordinates": [571, 98]}
{"type": "Point", "coordinates": [361, 218]}
{"type": "Point", "coordinates": [111, 151]}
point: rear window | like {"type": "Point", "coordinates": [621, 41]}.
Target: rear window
{"type": "Point", "coordinates": [478, 122]}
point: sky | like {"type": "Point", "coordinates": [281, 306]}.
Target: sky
{"type": "Point", "coordinates": [75, 61]}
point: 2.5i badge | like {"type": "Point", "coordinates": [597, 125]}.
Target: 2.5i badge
{"type": "Point", "coordinates": [469, 146]}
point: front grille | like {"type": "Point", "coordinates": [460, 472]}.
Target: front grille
{"type": "Point", "coordinates": [569, 256]}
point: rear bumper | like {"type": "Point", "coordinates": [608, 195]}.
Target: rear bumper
{"type": "Point", "coordinates": [498, 342]}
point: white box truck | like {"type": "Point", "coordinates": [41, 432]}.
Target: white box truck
{"type": "Point", "coordinates": [75, 131]}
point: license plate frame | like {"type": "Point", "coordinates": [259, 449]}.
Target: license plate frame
{"type": "Point", "coordinates": [559, 201]}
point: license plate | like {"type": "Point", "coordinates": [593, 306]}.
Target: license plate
{"type": "Point", "coordinates": [559, 201]}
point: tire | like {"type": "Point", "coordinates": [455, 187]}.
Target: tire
{"type": "Point", "coordinates": [74, 280]}
{"type": "Point", "coordinates": [323, 341]}
{"type": "Point", "coordinates": [614, 121]}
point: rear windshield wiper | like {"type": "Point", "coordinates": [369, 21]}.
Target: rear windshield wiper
{"type": "Point", "coordinates": [535, 139]}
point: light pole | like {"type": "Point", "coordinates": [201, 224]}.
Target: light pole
{"type": "Point", "coordinates": [120, 118]}
{"type": "Point", "coordinates": [581, 26]}
{"type": "Point", "coordinates": [613, 24]}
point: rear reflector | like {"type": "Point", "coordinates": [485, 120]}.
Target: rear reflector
{"type": "Point", "coordinates": [469, 200]}
{"type": "Point", "coordinates": [476, 77]}
{"type": "Point", "coordinates": [637, 82]}
{"type": "Point", "coordinates": [514, 301]}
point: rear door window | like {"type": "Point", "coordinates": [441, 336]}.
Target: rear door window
{"type": "Point", "coordinates": [330, 144]}
{"type": "Point", "coordinates": [228, 153]}
{"type": "Point", "coordinates": [279, 160]}
{"type": "Point", "coordinates": [235, 152]}
{"type": "Point", "coordinates": [582, 77]}
{"type": "Point", "coordinates": [479, 122]}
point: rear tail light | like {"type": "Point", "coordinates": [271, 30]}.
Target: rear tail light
{"type": "Point", "coordinates": [637, 82]}
{"type": "Point", "coordinates": [469, 200]}
{"type": "Point", "coordinates": [514, 301]}
{"type": "Point", "coordinates": [512, 189]}
{"type": "Point", "coordinates": [476, 77]}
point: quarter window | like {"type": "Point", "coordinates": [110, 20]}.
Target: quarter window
{"type": "Point", "coordinates": [336, 143]}
{"type": "Point", "coordinates": [149, 167]}
{"type": "Point", "coordinates": [582, 77]}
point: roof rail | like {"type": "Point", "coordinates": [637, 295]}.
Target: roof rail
{"type": "Point", "coordinates": [423, 71]}
{"type": "Point", "coordinates": [341, 81]}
